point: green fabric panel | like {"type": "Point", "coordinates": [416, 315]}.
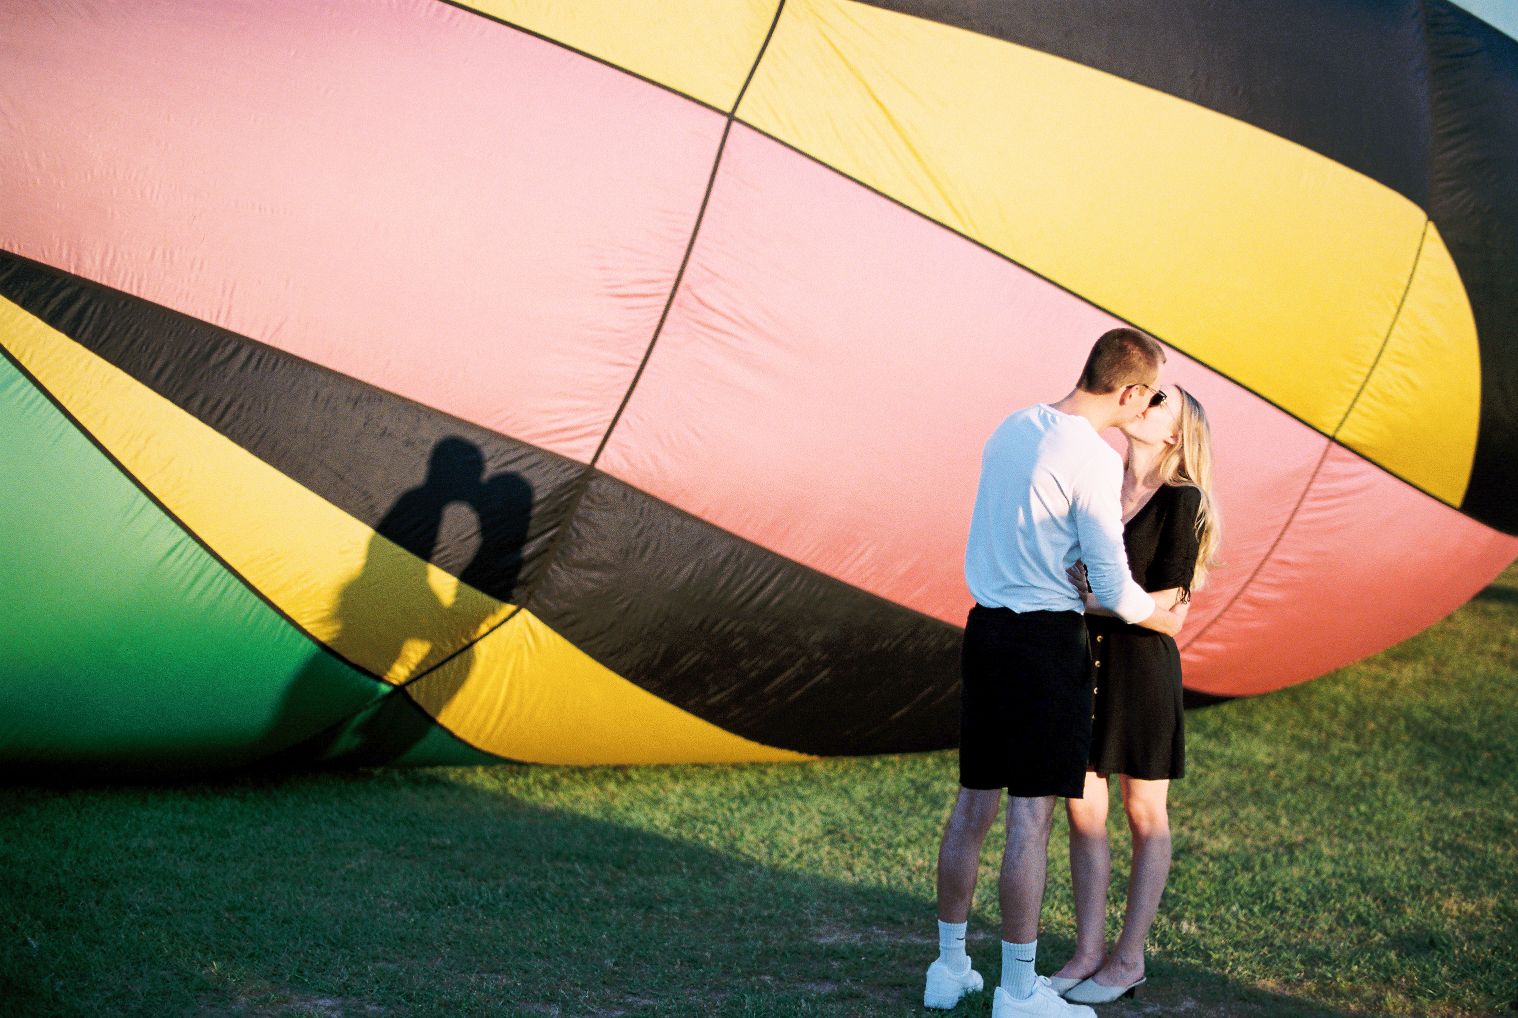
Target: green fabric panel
{"type": "Point", "coordinates": [122, 638]}
{"type": "Point", "coordinates": [393, 730]}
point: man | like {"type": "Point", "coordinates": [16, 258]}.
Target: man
{"type": "Point", "coordinates": [1050, 494]}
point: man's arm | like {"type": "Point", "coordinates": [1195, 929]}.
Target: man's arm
{"type": "Point", "coordinates": [1162, 621]}
{"type": "Point", "coordinates": [1096, 501]}
{"type": "Point", "coordinates": [1174, 600]}
{"type": "Point", "coordinates": [1168, 621]}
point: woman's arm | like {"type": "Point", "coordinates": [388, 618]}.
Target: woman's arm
{"type": "Point", "coordinates": [1173, 599]}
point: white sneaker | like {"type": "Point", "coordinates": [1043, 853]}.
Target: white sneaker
{"type": "Point", "coordinates": [1044, 1003]}
{"type": "Point", "coordinates": [945, 987]}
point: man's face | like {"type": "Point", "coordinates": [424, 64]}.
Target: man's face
{"type": "Point", "coordinates": [1134, 398]}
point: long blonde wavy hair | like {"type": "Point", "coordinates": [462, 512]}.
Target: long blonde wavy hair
{"type": "Point", "coordinates": [1189, 464]}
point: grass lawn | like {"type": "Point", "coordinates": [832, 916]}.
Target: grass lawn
{"type": "Point", "coordinates": [1345, 847]}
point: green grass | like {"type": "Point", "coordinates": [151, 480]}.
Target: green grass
{"type": "Point", "coordinates": [1345, 847]}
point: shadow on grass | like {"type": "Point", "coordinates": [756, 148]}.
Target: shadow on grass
{"type": "Point", "coordinates": [1498, 594]}
{"type": "Point", "coordinates": [416, 893]}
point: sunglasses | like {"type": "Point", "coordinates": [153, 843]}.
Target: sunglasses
{"type": "Point", "coordinates": [1158, 399]}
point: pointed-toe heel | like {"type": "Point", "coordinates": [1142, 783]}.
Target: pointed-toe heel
{"type": "Point", "coordinates": [1089, 991]}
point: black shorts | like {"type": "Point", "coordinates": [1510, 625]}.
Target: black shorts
{"type": "Point", "coordinates": [1025, 702]}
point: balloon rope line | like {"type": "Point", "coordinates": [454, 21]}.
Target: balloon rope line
{"type": "Point", "coordinates": [1385, 342]}
{"type": "Point", "coordinates": [561, 44]}
{"type": "Point", "coordinates": [1125, 320]}
{"type": "Point", "coordinates": [174, 517]}
{"type": "Point", "coordinates": [1328, 446]}
{"type": "Point", "coordinates": [551, 553]}
{"type": "Point", "coordinates": [385, 687]}
{"type": "Point", "coordinates": [690, 245]}
{"type": "Point", "coordinates": [1332, 442]}
{"type": "Point", "coordinates": [466, 645]}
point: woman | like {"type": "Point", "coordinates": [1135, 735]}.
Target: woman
{"type": "Point", "coordinates": [1171, 532]}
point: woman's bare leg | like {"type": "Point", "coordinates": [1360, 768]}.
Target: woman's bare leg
{"type": "Point", "coordinates": [1090, 875]}
{"type": "Point", "coordinates": [1149, 821]}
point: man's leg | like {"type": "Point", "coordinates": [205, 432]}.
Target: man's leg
{"type": "Point", "coordinates": [959, 852]}
{"type": "Point", "coordinates": [1024, 867]}
{"type": "Point", "coordinates": [950, 977]}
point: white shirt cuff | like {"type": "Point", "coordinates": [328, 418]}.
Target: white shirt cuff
{"type": "Point", "coordinates": [1134, 605]}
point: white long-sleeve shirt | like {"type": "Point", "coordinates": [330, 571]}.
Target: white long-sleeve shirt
{"type": "Point", "coordinates": [1050, 493]}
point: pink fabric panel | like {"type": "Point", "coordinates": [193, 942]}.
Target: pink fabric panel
{"type": "Point", "coordinates": [404, 192]}
{"type": "Point", "coordinates": [1368, 562]}
{"type": "Point", "coordinates": [833, 365]}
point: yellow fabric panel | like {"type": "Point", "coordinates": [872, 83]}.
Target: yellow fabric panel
{"type": "Point", "coordinates": [375, 603]}
{"type": "Point", "coordinates": [527, 693]}
{"type": "Point", "coordinates": [1266, 261]}
{"type": "Point", "coordinates": [522, 691]}
{"type": "Point", "coordinates": [703, 48]}
{"type": "Point", "coordinates": [1421, 407]}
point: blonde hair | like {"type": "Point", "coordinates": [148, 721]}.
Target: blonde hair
{"type": "Point", "coordinates": [1188, 464]}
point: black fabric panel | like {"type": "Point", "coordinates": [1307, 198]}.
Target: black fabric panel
{"type": "Point", "coordinates": [735, 634]}
{"type": "Point", "coordinates": [1342, 77]}
{"type": "Point", "coordinates": [1474, 91]}
{"type": "Point", "coordinates": [745, 638]}
{"type": "Point", "coordinates": [389, 462]}
{"type": "Point", "coordinates": [1193, 700]}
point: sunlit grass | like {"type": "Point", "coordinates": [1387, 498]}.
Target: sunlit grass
{"type": "Point", "coordinates": [1345, 847]}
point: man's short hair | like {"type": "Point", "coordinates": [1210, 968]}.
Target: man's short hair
{"type": "Point", "coordinates": [1120, 357]}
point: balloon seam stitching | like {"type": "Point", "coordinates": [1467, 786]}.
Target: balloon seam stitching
{"type": "Point", "coordinates": [1105, 310]}
{"type": "Point", "coordinates": [1269, 552]}
{"type": "Point", "coordinates": [560, 44]}
{"type": "Point", "coordinates": [590, 468]}
{"type": "Point", "coordinates": [1396, 316]}
{"type": "Point", "coordinates": [468, 644]}
{"type": "Point", "coordinates": [399, 690]}
{"type": "Point", "coordinates": [1332, 442]}
{"type": "Point", "coordinates": [583, 483]}
{"type": "Point", "coordinates": [384, 687]}
{"type": "Point", "coordinates": [286, 355]}
{"type": "Point", "coordinates": [690, 247]}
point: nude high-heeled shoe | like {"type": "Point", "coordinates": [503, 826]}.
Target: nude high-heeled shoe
{"type": "Point", "coordinates": [1089, 991]}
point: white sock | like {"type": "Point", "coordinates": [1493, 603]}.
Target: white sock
{"type": "Point", "coordinates": [1017, 975]}
{"type": "Point", "coordinates": [951, 945]}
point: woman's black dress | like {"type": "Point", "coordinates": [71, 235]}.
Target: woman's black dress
{"type": "Point", "coordinates": [1138, 725]}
